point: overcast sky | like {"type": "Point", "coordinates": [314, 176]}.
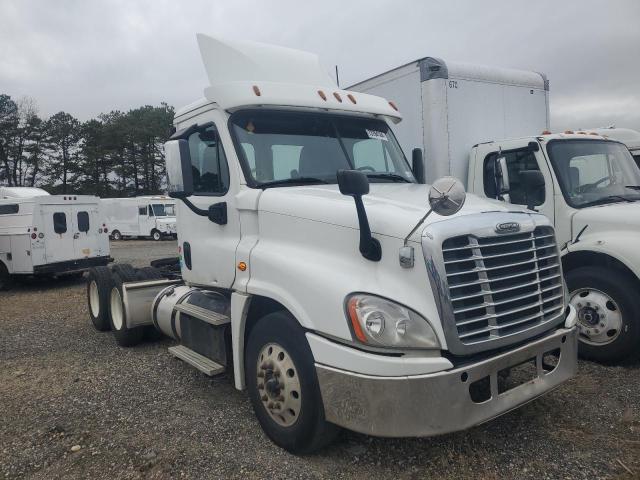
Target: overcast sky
{"type": "Point", "coordinates": [88, 57]}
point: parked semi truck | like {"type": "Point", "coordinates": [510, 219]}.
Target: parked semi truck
{"type": "Point", "coordinates": [145, 216]}
{"type": "Point", "coordinates": [319, 270]}
{"type": "Point", "coordinates": [42, 234]}
{"type": "Point", "coordinates": [489, 127]}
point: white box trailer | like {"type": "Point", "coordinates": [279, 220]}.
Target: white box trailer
{"type": "Point", "coordinates": [631, 138]}
{"type": "Point", "coordinates": [42, 234]}
{"type": "Point", "coordinates": [145, 216]}
{"type": "Point", "coordinates": [449, 107]}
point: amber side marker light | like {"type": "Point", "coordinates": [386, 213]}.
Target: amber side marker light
{"type": "Point", "coordinates": [256, 90]}
{"type": "Point", "coordinates": [242, 266]}
{"type": "Point", "coordinates": [353, 316]}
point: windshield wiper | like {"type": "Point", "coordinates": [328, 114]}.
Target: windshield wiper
{"type": "Point", "coordinates": [293, 181]}
{"type": "Point", "coordinates": [608, 199]}
{"type": "Point", "coordinates": [633, 187]}
{"type": "Point", "coordinates": [394, 177]}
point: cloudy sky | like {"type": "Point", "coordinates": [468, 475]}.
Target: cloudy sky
{"type": "Point", "coordinates": [88, 57]}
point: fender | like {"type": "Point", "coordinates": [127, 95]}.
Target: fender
{"type": "Point", "coordinates": [620, 245]}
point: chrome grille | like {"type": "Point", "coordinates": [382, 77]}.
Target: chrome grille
{"type": "Point", "coordinates": [503, 285]}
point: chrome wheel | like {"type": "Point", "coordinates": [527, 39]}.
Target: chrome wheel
{"type": "Point", "coordinates": [279, 384]}
{"type": "Point", "coordinates": [599, 317]}
{"type": "Point", "coordinates": [94, 299]}
{"type": "Point", "coordinates": [117, 317]}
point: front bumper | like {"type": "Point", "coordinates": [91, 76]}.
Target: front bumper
{"type": "Point", "coordinates": [71, 265]}
{"type": "Point", "coordinates": [432, 404]}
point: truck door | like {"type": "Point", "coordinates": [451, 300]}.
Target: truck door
{"type": "Point", "coordinates": [57, 221]}
{"type": "Point", "coordinates": [520, 158]}
{"type": "Point", "coordinates": [209, 248]}
{"type": "Point", "coordinates": [85, 230]}
{"type": "Point", "coordinates": [146, 220]}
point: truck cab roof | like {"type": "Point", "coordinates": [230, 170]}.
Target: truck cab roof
{"type": "Point", "coordinates": [21, 192]}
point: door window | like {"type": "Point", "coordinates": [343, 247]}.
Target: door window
{"type": "Point", "coordinates": [83, 222]}
{"type": "Point", "coordinates": [208, 163]}
{"type": "Point", "coordinates": [59, 222]}
{"type": "Point", "coordinates": [517, 161]}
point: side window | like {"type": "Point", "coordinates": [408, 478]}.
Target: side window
{"type": "Point", "coordinates": [83, 222]}
{"type": "Point", "coordinates": [142, 210]}
{"type": "Point", "coordinates": [517, 161]}
{"type": "Point", "coordinates": [370, 155]}
{"type": "Point", "coordinates": [59, 222]}
{"type": "Point", "coordinates": [208, 163]}
{"type": "Point", "coordinates": [9, 209]}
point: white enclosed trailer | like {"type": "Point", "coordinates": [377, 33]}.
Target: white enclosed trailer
{"type": "Point", "coordinates": [449, 107]}
{"type": "Point", "coordinates": [489, 127]}
{"type": "Point", "coordinates": [631, 138]}
{"type": "Point", "coordinates": [311, 269]}
{"type": "Point", "coordinates": [144, 216]}
{"type": "Point", "coordinates": [42, 234]}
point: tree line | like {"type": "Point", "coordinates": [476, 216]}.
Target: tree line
{"type": "Point", "coordinates": [116, 154]}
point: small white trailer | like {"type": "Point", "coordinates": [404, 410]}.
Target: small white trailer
{"type": "Point", "coordinates": [147, 216]}
{"type": "Point", "coordinates": [42, 234]}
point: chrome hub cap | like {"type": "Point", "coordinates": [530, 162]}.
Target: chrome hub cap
{"type": "Point", "coordinates": [279, 385]}
{"type": "Point", "coordinates": [94, 299]}
{"type": "Point", "coordinates": [116, 309]}
{"type": "Point", "coordinates": [599, 318]}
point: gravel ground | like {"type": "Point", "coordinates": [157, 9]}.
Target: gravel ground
{"type": "Point", "coordinates": [139, 413]}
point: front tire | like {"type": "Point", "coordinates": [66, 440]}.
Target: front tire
{"type": "Point", "coordinates": [99, 285]}
{"type": "Point", "coordinates": [283, 386]}
{"type": "Point", "coordinates": [608, 313]}
{"type": "Point", "coordinates": [156, 235]}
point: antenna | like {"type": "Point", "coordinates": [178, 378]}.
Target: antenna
{"type": "Point", "coordinates": [337, 77]}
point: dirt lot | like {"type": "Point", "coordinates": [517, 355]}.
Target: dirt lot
{"type": "Point", "coordinates": [139, 413]}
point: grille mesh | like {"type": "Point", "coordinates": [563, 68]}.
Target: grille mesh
{"type": "Point", "coordinates": [503, 285]}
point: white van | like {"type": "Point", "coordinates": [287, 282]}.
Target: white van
{"type": "Point", "coordinates": [148, 216]}
{"type": "Point", "coordinates": [42, 234]}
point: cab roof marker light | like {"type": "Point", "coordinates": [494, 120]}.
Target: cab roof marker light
{"type": "Point", "coordinates": [338, 97]}
{"type": "Point", "coordinates": [352, 98]}
{"type": "Point", "coordinates": [546, 132]}
{"type": "Point", "coordinates": [322, 95]}
{"type": "Point", "coordinates": [394, 106]}
{"type": "Point", "coordinates": [569, 132]}
{"type": "Point", "coordinates": [256, 90]}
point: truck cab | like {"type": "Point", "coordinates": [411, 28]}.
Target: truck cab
{"type": "Point", "coordinates": [588, 186]}
{"type": "Point", "coordinates": [318, 268]}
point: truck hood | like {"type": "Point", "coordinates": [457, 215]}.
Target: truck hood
{"type": "Point", "coordinates": [166, 220]}
{"type": "Point", "coordinates": [393, 209]}
{"type": "Point", "coordinates": [611, 217]}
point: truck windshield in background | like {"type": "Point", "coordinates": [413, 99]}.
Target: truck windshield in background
{"type": "Point", "coordinates": [285, 148]}
{"type": "Point", "coordinates": [594, 172]}
{"type": "Point", "coordinates": [162, 210]}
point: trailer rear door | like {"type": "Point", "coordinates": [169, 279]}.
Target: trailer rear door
{"type": "Point", "coordinates": [85, 230]}
{"type": "Point", "coordinates": [57, 222]}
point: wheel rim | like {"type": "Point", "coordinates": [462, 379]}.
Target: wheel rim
{"type": "Point", "coordinates": [279, 384]}
{"type": "Point", "coordinates": [94, 299]}
{"type": "Point", "coordinates": [116, 235]}
{"type": "Point", "coordinates": [117, 316]}
{"type": "Point", "coordinates": [156, 236]}
{"type": "Point", "coordinates": [599, 316]}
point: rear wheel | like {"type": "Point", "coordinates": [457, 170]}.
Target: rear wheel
{"type": "Point", "coordinates": [5, 277]}
{"type": "Point", "coordinates": [608, 313]}
{"type": "Point", "coordinates": [116, 235]}
{"type": "Point", "coordinates": [156, 235]}
{"type": "Point", "coordinates": [283, 386]}
{"type": "Point", "coordinates": [125, 336]}
{"type": "Point", "coordinates": [99, 285]}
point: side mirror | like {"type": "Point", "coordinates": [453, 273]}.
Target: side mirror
{"type": "Point", "coordinates": [417, 164]}
{"type": "Point", "coordinates": [179, 172]}
{"type": "Point", "coordinates": [356, 184]}
{"type": "Point", "coordinates": [501, 173]}
{"type": "Point", "coordinates": [532, 181]}
{"type": "Point", "coordinates": [447, 196]}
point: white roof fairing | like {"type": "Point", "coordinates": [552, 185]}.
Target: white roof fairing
{"type": "Point", "coordinates": [284, 77]}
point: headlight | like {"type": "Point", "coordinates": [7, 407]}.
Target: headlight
{"type": "Point", "coordinates": [382, 323]}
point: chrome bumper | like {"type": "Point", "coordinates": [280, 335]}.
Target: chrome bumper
{"type": "Point", "coordinates": [433, 404]}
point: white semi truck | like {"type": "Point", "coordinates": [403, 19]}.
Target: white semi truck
{"type": "Point", "coordinates": [333, 286]}
{"type": "Point", "coordinates": [145, 216]}
{"type": "Point", "coordinates": [42, 234]}
{"type": "Point", "coordinates": [489, 127]}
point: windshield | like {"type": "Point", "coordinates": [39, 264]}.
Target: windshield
{"type": "Point", "coordinates": [286, 148]}
{"type": "Point", "coordinates": [592, 172]}
{"type": "Point", "coordinates": [162, 210]}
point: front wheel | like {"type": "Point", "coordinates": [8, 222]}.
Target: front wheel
{"type": "Point", "coordinates": [283, 386]}
{"type": "Point", "coordinates": [608, 313]}
{"type": "Point", "coordinates": [156, 235]}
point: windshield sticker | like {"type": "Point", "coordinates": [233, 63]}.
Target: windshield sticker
{"type": "Point", "coordinates": [376, 135]}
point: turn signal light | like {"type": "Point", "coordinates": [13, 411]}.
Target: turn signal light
{"type": "Point", "coordinates": [34, 236]}
{"type": "Point", "coordinates": [242, 266]}
{"type": "Point", "coordinates": [353, 316]}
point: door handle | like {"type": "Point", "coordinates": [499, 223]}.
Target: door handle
{"type": "Point", "coordinates": [76, 236]}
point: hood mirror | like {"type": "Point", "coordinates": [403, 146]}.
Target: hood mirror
{"type": "Point", "coordinates": [446, 197]}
